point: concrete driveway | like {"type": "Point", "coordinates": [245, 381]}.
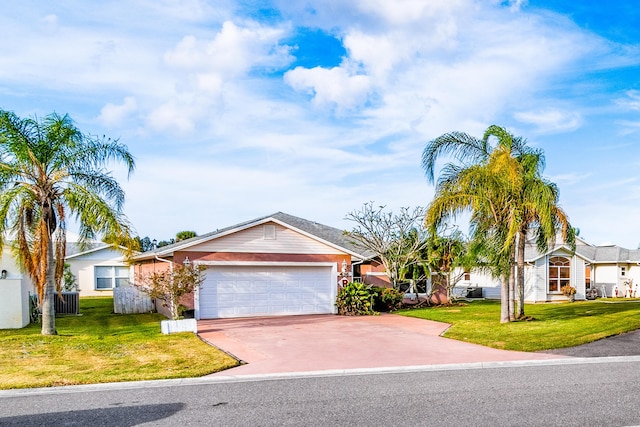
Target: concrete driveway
{"type": "Point", "coordinates": [271, 345]}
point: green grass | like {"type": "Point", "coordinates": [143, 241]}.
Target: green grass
{"type": "Point", "coordinates": [549, 326]}
{"type": "Point", "coordinates": [99, 347]}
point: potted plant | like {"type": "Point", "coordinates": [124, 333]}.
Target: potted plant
{"type": "Point", "coordinates": [569, 291]}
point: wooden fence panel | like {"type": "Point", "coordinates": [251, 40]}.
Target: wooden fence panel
{"type": "Point", "coordinates": [129, 300]}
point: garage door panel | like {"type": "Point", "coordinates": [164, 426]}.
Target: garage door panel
{"type": "Point", "coordinates": [240, 291]}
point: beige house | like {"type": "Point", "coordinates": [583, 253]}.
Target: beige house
{"type": "Point", "coordinates": [99, 270]}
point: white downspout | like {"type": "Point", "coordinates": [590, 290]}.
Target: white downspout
{"type": "Point", "coordinates": [170, 269]}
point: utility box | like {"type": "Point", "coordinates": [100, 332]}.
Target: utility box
{"type": "Point", "coordinates": [67, 303]}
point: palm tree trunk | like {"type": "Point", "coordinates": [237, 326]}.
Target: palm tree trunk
{"type": "Point", "coordinates": [48, 304]}
{"type": "Point", "coordinates": [504, 299]}
{"type": "Point", "coordinates": [520, 278]}
{"type": "Point", "coordinates": [512, 285]}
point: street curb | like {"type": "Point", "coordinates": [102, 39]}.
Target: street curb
{"type": "Point", "coordinates": [315, 374]}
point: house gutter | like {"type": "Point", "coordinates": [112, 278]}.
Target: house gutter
{"type": "Point", "coordinates": [165, 260]}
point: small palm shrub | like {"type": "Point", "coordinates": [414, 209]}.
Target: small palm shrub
{"type": "Point", "coordinates": [355, 299]}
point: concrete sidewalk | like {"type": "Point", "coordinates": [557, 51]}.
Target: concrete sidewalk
{"type": "Point", "coordinates": [271, 345]}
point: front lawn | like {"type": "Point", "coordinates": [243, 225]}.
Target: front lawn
{"type": "Point", "coordinates": [550, 325]}
{"type": "Point", "coordinates": [99, 347]}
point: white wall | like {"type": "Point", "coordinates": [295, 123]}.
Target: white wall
{"type": "Point", "coordinates": [14, 304]}
{"type": "Point", "coordinates": [608, 276]}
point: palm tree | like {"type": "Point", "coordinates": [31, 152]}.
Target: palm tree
{"type": "Point", "coordinates": [503, 187]}
{"type": "Point", "coordinates": [480, 190]}
{"type": "Point", "coordinates": [49, 171]}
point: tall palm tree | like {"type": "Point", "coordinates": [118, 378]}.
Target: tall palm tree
{"type": "Point", "coordinates": [480, 190]}
{"type": "Point", "coordinates": [49, 170]}
{"type": "Point", "coordinates": [506, 194]}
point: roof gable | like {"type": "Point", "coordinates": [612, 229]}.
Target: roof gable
{"type": "Point", "coordinates": [105, 251]}
{"type": "Point", "coordinates": [268, 237]}
{"type": "Point", "coordinates": [332, 239]}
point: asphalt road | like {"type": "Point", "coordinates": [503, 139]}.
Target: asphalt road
{"type": "Point", "coordinates": [620, 345]}
{"type": "Point", "coordinates": [592, 392]}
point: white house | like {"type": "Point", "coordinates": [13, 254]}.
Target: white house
{"type": "Point", "coordinates": [14, 290]}
{"type": "Point", "coordinates": [97, 270]}
{"type": "Point", "coordinates": [611, 270]}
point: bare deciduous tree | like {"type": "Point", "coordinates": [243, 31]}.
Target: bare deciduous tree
{"type": "Point", "coordinates": [396, 239]}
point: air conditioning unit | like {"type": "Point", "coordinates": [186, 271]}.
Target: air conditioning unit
{"type": "Point", "coordinates": [67, 303]}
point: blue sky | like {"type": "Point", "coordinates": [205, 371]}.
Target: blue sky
{"type": "Point", "coordinates": [238, 109]}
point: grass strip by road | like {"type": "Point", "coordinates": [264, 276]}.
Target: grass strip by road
{"type": "Point", "coordinates": [99, 347]}
{"type": "Point", "coordinates": [548, 326]}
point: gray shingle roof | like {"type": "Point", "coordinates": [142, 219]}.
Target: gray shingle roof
{"type": "Point", "coordinates": [596, 254]}
{"type": "Point", "coordinates": [327, 233]}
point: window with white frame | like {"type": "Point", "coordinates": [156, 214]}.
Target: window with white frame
{"type": "Point", "coordinates": [109, 277]}
{"type": "Point", "coordinates": [623, 271]}
{"type": "Point", "coordinates": [559, 273]}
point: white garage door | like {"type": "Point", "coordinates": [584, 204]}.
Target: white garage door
{"type": "Point", "coordinates": [266, 291]}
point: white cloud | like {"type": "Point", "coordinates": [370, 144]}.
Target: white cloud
{"type": "Point", "coordinates": [232, 52]}
{"type": "Point", "coordinates": [631, 101]}
{"type": "Point", "coordinates": [50, 19]}
{"type": "Point", "coordinates": [551, 120]}
{"type": "Point", "coordinates": [113, 115]}
{"type": "Point", "coordinates": [330, 86]}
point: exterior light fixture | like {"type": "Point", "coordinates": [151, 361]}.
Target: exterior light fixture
{"type": "Point", "coordinates": [186, 262]}
{"type": "Point", "coordinates": [344, 267]}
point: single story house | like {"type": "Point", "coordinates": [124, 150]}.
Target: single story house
{"type": "Point", "coordinates": [98, 269]}
{"type": "Point", "coordinates": [609, 269]}
{"type": "Point", "coordinates": [270, 266]}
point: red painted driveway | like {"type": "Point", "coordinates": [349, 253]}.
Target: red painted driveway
{"type": "Point", "coordinates": [326, 342]}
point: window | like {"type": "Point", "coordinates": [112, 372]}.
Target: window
{"type": "Point", "coordinates": [109, 277]}
{"type": "Point", "coordinates": [467, 276]}
{"type": "Point", "coordinates": [269, 232]}
{"type": "Point", "coordinates": [587, 276]}
{"type": "Point", "coordinates": [623, 271]}
{"type": "Point", "coordinates": [559, 273]}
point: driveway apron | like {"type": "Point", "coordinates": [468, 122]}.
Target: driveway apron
{"type": "Point", "coordinates": [328, 342]}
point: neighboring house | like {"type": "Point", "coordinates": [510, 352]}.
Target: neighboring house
{"type": "Point", "coordinates": [612, 270]}
{"type": "Point", "coordinates": [270, 266]}
{"type": "Point", "coordinates": [99, 270]}
{"type": "Point", "coordinates": [14, 293]}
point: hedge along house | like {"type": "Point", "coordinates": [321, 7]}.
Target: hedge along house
{"type": "Point", "coordinates": [610, 270]}
{"type": "Point", "coordinates": [271, 266]}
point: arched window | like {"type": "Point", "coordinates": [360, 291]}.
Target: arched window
{"type": "Point", "coordinates": [559, 273]}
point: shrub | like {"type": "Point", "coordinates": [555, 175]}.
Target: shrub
{"type": "Point", "coordinates": [568, 290]}
{"type": "Point", "coordinates": [392, 298]}
{"type": "Point", "coordinates": [356, 299]}
{"type": "Point", "coordinates": [171, 285]}
{"type": "Point", "coordinates": [387, 299]}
